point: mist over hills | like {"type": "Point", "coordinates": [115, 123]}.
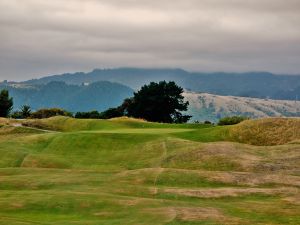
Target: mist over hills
{"type": "Point", "coordinates": [252, 84]}
{"type": "Point", "coordinates": [96, 96]}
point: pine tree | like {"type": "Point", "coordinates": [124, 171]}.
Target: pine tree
{"type": "Point", "coordinates": [6, 103]}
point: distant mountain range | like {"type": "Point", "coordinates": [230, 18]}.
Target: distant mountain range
{"type": "Point", "coordinates": [101, 89]}
{"type": "Point", "coordinates": [103, 95]}
{"type": "Point", "coordinates": [213, 107]}
{"type": "Point", "coordinates": [96, 96]}
{"type": "Point", "coordinates": [254, 84]}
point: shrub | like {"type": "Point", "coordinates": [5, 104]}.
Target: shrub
{"type": "Point", "coordinates": [207, 122]}
{"type": "Point", "coordinates": [17, 115]}
{"type": "Point", "coordinates": [46, 113]}
{"type": "Point", "coordinates": [26, 111]}
{"type": "Point", "coordinates": [112, 113]}
{"type": "Point", "coordinates": [231, 120]}
{"type": "Point", "coordinates": [88, 115]}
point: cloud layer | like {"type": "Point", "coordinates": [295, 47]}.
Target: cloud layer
{"type": "Point", "coordinates": [47, 37]}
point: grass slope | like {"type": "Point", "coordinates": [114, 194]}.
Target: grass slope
{"type": "Point", "coordinates": [126, 171]}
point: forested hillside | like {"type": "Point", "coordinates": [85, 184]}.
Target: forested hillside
{"type": "Point", "coordinates": [96, 96]}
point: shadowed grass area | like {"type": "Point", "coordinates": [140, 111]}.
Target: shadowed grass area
{"type": "Point", "coordinates": [131, 172]}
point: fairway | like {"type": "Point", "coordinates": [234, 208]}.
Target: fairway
{"type": "Point", "coordinates": [63, 171]}
{"type": "Point", "coordinates": [140, 131]}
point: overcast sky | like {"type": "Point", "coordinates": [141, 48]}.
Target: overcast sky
{"type": "Point", "coordinates": [43, 37]}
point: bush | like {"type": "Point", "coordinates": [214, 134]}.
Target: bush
{"type": "Point", "coordinates": [112, 113]}
{"type": "Point", "coordinates": [107, 114]}
{"type": "Point", "coordinates": [88, 115]}
{"type": "Point", "coordinates": [24, 113]}
{"type": "Point", "coordinates": [17, 115]}
{"type": "Point", "coordinates": [46, 113]}
{"type": "Point", "coordinates": [207, 122]}
{"type": "Point", "coordinates": [231, 120]}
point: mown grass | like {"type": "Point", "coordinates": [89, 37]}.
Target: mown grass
{"type": "Point", "coordinates": [118, 171]}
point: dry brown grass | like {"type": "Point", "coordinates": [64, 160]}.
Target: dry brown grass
{"type": "Point", "coordinates": [194, 214]}
{"type": "Point", "coordinates": [6, 121]}
{"type": "Point", "coordinates": [270, 131]}
{"type": "Point", "coordinates": [228, 192]}
{"type": "Point", "coordinates": [126, 118]}
{"type": "Point", "coordinates": [250, 179]}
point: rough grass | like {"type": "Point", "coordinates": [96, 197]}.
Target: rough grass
{"type": "Point", "coordinates": [126, 171]}
{"type": "Point", "coordinates": [270, 131]}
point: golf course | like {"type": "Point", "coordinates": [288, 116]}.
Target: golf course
{"type": "Point", "coordinates": [123, 171]}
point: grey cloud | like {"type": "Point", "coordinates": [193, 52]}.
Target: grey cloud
{"type": "Point", "coordinates": [46, 37]}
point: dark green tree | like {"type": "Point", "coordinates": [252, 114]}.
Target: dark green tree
{"type": "Point", "coordinates": [88, 115]}
{"type": "Point", "coordinates": [25, 111]}
{"type": "Point", "coordinates": [158, 102]}
{"type": "Point", "coordinates": [112, 113]}
{"type": "Point", "coordinates": [6, 103]}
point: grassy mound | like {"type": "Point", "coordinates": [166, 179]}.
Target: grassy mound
{"type": "Point", "coordinates": [61, 123]}
{"type": "Point", "coordinates": [270, 131]}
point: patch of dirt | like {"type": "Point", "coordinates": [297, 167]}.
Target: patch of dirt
{"type": "Point", "coordinates": [253, 179]}
{"type": "Point", "coordinates": [228, 192]}
{"type": "Point", "coordinates": [102, 214]}
{"type": "Point", "coordinates": [168, 213]}
{"type": "Point", "coordinates": [192, 214]}
{"type": "Point", "coordinates": [195, 214]}
{"type": "Point", "coordinates": [17, 205]}
{"type": "Point", "coordinates": [293, 199]}
{"type": "Point", "coordinates": [131, 202]}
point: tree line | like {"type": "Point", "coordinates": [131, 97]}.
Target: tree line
{"type": "Point", "coordinates": [155, 102]}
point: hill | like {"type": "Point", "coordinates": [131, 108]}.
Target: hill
{"type": "Point", "coordinates": [252, 84]}
{"type": "Point", "coordinates": [96, 96]}
{"type": "Point", "coordinates": [126, 171]}
{"type": "Point", "coordinates": [210, 107]}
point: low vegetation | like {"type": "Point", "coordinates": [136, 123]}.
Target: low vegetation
{"type": "Point", "coordinates": [47, 113]}
{"type": "Point", "coordinates": [63, 170]}
{"type": "Point", "coordinates": [231, 120]}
